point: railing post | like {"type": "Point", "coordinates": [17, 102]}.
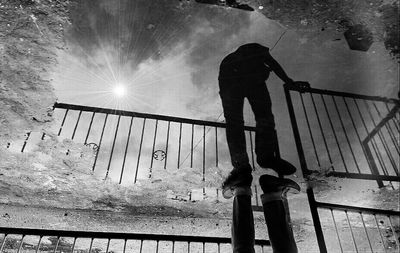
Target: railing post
{"type": "Point", "coordinates": [316, 221]}
{"type": "Point", "coordinates": [296, 133]}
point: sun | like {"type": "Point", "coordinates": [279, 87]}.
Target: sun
{"type": "Point", "coordinates": [119, 90]}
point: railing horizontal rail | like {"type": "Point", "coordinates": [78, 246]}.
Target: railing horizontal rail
{"type": "Point", "coordinates": [144, 115]}
{"type": "Point", "coordinates": [365, 176]}
{"type": "Point", "coordinates": [356, 209]}
{"type": "Point", "coordinates": [347, 94]}
{"type": "Point", "coordinates": [117, 235]}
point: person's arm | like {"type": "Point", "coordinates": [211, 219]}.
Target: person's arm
{"type": "Point", "coordinates": [278, 70]}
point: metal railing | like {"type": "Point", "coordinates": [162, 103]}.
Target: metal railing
{"type": "Point", "coordinates": [353, 228]}
{"type": "Point", "coordinates": [39, 240]}
{"type": "Point", "coordinates": [128, 144]}
{"type": "Point", "coordinates": [346, 135]}
{"type": "Point", "coordinates": [352, 136]}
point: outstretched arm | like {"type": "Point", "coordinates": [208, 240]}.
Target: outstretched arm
{"type": "Point", "coordinates": [278, 70]}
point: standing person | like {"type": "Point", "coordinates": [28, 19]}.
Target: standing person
{"type": "Point", "coordinates": [242, 75]}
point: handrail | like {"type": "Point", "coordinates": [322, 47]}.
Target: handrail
{"type": "Point", "coordinates": [345, 94]}
{"type": "Point", "coordinates": [143, 115]}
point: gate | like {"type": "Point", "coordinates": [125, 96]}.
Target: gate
{"type": "Point", "coordinates": [350, 136]}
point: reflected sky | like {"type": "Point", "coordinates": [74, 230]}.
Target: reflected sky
{"type": "Point", "coordinates": [166, 54]}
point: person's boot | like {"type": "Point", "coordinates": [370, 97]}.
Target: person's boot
{"type": "Point", "coordinates": [276, 213]}
{"type": "Point", "coordinates": [270, 184]}
{"type": "Point", "coordinates": [237, 178]}
{"type": "Point", "coordinates": [243, 235]}
{"type": "Point", "coordinates": [279, 165]}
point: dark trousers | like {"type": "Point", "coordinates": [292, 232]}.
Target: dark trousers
{"type": "Point", "coordinates": [277, 220]}
{"type": "Point", "coordinates": [232, 96]}
{"type": "Point", "coordinates": [280, 232]}
{"type": "Point", "coordinates": [243, 235]}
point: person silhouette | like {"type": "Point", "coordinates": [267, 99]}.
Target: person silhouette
{"type": "Point", "coordinates": [242, 74]}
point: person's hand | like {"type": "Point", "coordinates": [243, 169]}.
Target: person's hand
{"type": "Point", "coordinates": [299, 86]}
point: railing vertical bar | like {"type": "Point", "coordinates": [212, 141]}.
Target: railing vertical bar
{"type": "Point", "coordinates": [157, 246]}
{"type": "Point", "coordinates": [334, 133]}
{"type": "Point", "coordinates": [141, 246]}
{"type": "Point", "coordinates": [140, 150]}
{"type": "Point", "coordinates": [393, 139]}
{"type": "Point", "coordinates": [309, 130]}
{"type": "Point", "coordinates": [154, 144]}
{"type": "Point", "coordinates": [370, 160]}
{"type": "Point", "coordinates": [188, 247]}
{"type": "Point", "coordinates": [173, 246]}
{"type": "Point", "coordinates": [20, 245]}
{"type": "Point", "coordinates": [113, 146]}
{"type": "Point", "coordinates": [396, 124]}
{"type": "Point", "coordinates": [381, 137]}
{"type": "Point", "coordinates": [317, 223]}
{"type": "Point", "coordinates": [101, 139]}
{"type": "Point", "coordinates": [216, 147]}
{"type": "Point", "coordinates": [296, 133]}
{"type": "Point", "coordinates": [322, 131]}
{"type": "Point", "coordinates": [219, 248]}
{"type": "Point", "coordinates": [204, 247]}
{"type": "Point", "coordinates": [396, 239]}
{"type": "Point", "coordinates": [383, 141]}
{"type": "Point", "coordinates": [90, 127]}
{"type": "Point", "coordinates": [345, 134]}
{"type": "Point", "coordinates": [256, 194]}
{"type": "Point", "coordinates": [126, 150]}
{"type": "Point", "coordinates": [28, 134]}
{"type": "Point", "coordinates": [3, 243]}
{"type": "Point", "coordinates": [380, 233]}
{"type": "Point", "coordinates": [166, 145]}
{"type": "Point", "coordinates": [204, 153]}
{"type": "Point", "coordinates": [38, 245]}
{"type": "Point", "coordinates": [387, 126]}
{"type": "Point", "coordinates": [191, 148]}
{"type": "Point", "coordinates": [56, 246]}
{"type": "Point", "coordinates": [73, 245]}
{"type": "Point", "coordinates": [376, 150]}
{"type": "Point", "coordinates": [76, 125]}
{"type": "Point", "coordinates": [366, 232]}
{"type": "Point", "coordinates": [62, 123]}
{"type": "Point", "coordinates": [336, 230]}
{"type": "Point", "coordinates": [252, 150]}
{"type": "Point", "coordinates": [180, 144]}
{"type": "Point", "coordinates": [91, 244]}
{"type": "Point", "coordinates": [108, 245]}
{"type": "Point", "coordinates": [124, 250]}
{"type": "Point", "coordinates": [351, 231]}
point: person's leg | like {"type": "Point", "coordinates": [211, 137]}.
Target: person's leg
{"type": "Point", "coordinates": [243, 235]}
{"type": "Point", "coordinates": [266, 139]}
{"type": "Point", "coordinates": [276, 213]}
{"type": "Point", "coordinates": [267, 150]}
{"type": "Point", "coordinates": [232, 103]}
